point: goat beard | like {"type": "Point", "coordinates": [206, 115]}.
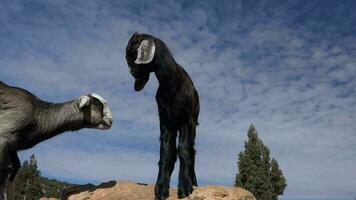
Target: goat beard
{"type": "Point", "coordinates": [140, 83]}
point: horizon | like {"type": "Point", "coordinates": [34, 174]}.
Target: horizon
{"type": "Point", "coordinates": [173, 184]}
{"type": "Point", "coordinates": [288, 67]}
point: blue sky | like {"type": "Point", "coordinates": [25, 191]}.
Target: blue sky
{"type": "Point", "coordinates": [288, 67]}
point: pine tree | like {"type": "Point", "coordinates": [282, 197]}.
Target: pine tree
{"type": "Point", "coordinates": [256, 172]}
{"type": "Point", "coordinates": [31, 185]}
{"type": "Point", "coordinates": [249, 162]}
{"type": "Point", "coordinates": [266, 188]}
{"type": "Point", "coordinates": [278, 180]}
{"type": "Point", "coordinates": [27, 181]}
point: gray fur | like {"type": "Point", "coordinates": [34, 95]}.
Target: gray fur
{"type": "Point", "coordinates": [25, 121]}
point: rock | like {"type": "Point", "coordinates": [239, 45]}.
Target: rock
{"type": "Point", "coordinates": [125, 190]}
{"type": "Point", "coordinates": [212, 192]}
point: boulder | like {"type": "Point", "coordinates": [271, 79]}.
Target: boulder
{"type": "Point", "coordinates": [126, 190]}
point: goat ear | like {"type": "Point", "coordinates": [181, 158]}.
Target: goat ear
{"type": "Point", "coordinates": [84, 101]}
{"type": "Point", "coordinates": [145, 52]}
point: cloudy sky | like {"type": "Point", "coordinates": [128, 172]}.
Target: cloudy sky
{"type": "Point", "coordinates": [288, 67]}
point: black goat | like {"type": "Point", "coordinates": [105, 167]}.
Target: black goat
{"type": "Point", "coordinates": [178, 106]}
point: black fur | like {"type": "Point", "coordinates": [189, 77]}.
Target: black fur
{"type": "Point", "coordinates": [178, 106]}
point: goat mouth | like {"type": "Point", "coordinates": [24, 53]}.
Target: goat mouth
{"type": "Point", "coordinates": [104, 127]}
{"type": "Point", "coordinates": [105, 124]}
{"type": "Point", "coordinates": [140, 83]}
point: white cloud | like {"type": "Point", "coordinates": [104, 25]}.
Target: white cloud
{"type": "Point", "coordinates": [262, 69]}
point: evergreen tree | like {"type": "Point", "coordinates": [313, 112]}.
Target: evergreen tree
{"type": "Point", "coordinates": [249, 162]}
{"type": "Point", "coordinates": [278, 180]}
{"type": "Point", "coordinates": [256, 172]}
{"type": "Point", "coordinates": [28, 186]}
{"type": "Point", "coordinates": [31, 185]}
{"type": "Point", "coordinates": [266, 188]}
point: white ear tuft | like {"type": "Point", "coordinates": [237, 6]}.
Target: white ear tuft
{"type": "Point", "coordinates": [84, 101]}
{"type": "Point", "coordinates": [106, 111]}
{"type": "Point", "coordinates": [101, 99]}
{"type": "Point", "coordinates": [145, 52]}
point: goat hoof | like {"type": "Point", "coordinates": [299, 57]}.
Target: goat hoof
{"type": "Point", "coordinates": [2, 195]}
{"type": "Point", "coordinates": [160, 198]}
{"type": "Point", "coordinates": [161, 191]}
{"type": "Point", "coordinates": [184, 190]}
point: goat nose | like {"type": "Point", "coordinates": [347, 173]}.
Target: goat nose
{"type": "Point", "coordinates": [132, 72]}
{"type": "Point", "coordinates": [110, 121]}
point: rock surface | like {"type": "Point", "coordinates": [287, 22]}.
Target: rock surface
{"type": "Point", "coordinates": [125, 190]}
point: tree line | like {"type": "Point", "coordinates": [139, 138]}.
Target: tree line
{"type": "Point", "coordinates": [31, 185]}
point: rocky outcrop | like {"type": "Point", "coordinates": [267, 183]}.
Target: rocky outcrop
{"type": "Point", "coordinates": [125, 190]}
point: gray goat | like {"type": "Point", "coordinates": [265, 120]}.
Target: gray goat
{"type": "Point", "coordinates": [25, 121]}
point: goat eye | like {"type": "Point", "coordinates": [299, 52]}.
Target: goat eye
{"type": "Point", "coordinates": [97, 103]}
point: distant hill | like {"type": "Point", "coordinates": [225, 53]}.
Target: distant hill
{"type": "Point", "coordinates": [53, 188]}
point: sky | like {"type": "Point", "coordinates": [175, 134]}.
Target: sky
{"type": "Point", "coordinates": [288, 67]}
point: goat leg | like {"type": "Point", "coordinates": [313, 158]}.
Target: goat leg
{"type": "Point", "coordinates": [10, 186]}
{"type": "Point", "coordinates": [168, 157]}
{"type": "Point", "coordinates": [4, 165]}
{"type": "Point", "coordinates": [15, 163]}
{"type": "Point", "coordinates": [186, 155]}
